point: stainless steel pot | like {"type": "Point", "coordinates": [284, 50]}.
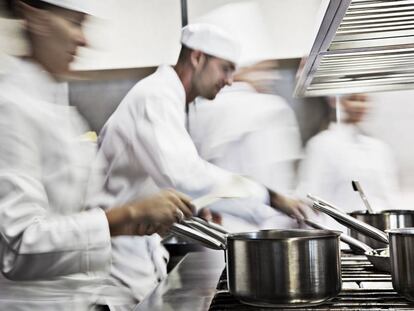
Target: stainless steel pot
{"type": "Point", "coordinates": [284, 268]}
{"type": "Point", "coordinates": [402, 261]}
{"type": "Point", "coordinates": [379, 258]}
{"type": "Point", "coordinates": [280, 268]}
{"type": "Point", "coordinates": [385, 220]}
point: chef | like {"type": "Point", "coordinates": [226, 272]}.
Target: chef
{"type": "Point", "coordinates": [147, 146]}
{"type": "Point", "coordinates": [345, 152]}
{"type": "Point", "coordinates": [55, 251]}
{"type": "Point", "coordinates": [252, 134]}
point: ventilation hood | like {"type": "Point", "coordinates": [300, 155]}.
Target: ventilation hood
{"type": "Point", "coordinates": [361, 46]}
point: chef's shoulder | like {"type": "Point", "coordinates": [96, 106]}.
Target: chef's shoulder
{"type": "Point", "coordinates": [149, 91]}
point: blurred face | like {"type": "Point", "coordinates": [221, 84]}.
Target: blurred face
{"type": "Point", "coordinates": [211, 75]}
{"type": "Point", "coordinates": [55, 35]}
{"type": "Point", "coordinates": [356, 107]}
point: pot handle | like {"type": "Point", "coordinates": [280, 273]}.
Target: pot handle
{"type": "Point", "coordinates": [344, 237]}
{"type": "Point", "coordinates": [210, 224]}
{"type": "Point", "coordinates": [196, 236]}
{"type": "Point", "coordinates": [348, 221]}
{"type": "Point", "coordinates": [196, 225]}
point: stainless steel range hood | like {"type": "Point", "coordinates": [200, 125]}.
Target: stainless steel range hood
{"type": "Point", "coordinates": [361, 46]}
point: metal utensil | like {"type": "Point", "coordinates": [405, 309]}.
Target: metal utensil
{"type": "Point", "coordinates": [346, 220]}
{"type": "Point", "coordinates": [343, 237]}
{"type": "Point", "coordinates": [357, 187]}
{"type": "Point", "coordinates": [384, 220]}
{"type": "Point", "coordinates": [402, 264]}
{"type": "Point", "coordinates": [283, 268]}
{"type": "Point", "coordinates": [375, 256]}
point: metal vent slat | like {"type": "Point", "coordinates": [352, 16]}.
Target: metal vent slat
{"type": "Point", "coordinates": [362, 46]}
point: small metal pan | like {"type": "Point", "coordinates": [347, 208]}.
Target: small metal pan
{"type": "Point", "coordinates": [379, 258]}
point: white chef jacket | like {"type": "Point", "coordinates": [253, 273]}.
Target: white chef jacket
{"type": "Point", "coordinates": [251, 134]}
{"type": "Point", "coordinates": [147, 147]}
{"type": "Point", "coordinates": [55, 251]}
{"type": "Point", "coordinates": [340, 154]}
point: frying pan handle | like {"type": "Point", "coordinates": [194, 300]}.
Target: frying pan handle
{"type": "Point", "coordinates": [192, 235]}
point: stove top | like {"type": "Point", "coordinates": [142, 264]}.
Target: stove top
{"type": "Point", "coordinates": [363, 288]}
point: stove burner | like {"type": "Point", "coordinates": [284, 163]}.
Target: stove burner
{"type": "Point", "coordinates": [360, 292]}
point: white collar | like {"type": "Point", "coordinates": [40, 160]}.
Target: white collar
{"type": "Point", "coordinates": [174, 81]}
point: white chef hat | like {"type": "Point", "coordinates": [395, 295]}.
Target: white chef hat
{"type": "Point", "coordinates": [84, 6]}
{"type": "Point", "coordinates": [211, 40]}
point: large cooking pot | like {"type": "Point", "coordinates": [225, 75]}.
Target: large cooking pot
{"type": "Point", "coordinates": [385, 220]}
{"type": "Point", "coordinates": [278, 268]}
{"type": "Point", "coordinates": [402, 261]}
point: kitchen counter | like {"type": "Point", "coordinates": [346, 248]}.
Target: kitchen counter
{"type": "Point", "coordinates": [191, 285]}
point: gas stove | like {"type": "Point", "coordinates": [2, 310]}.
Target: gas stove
{"type": "Point", "coordinates": [363, 288]}
{"type": "Point", "coordinates": [195, 284]}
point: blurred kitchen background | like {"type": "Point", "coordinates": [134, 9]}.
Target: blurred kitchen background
{"type": "Point", "coordinates": [131, 37]}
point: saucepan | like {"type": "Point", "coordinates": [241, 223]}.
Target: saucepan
{"type": "Point", "coordinates": [402, 261]}
{"type": "Point", "coordinates": [384, 220]}
{"type": "Point", "coordinates": [379, 258]}
{"type": "Point", "coordinates": [275, 268]}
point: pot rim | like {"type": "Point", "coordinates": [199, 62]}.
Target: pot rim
{"type": "Point", "coordinates": [384, 212]}
{"type": "Point", "coordinates": [296, 234]}
{"type": "Point", "coordinates": [401, 231]}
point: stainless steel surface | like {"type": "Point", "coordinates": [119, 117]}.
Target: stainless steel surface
{"type": "Point", "coordinates": [343, 237]}
{"type": "Point", "coordinates": [190, 286]}
{"type": "Point", "coordinates": [349, 221]}
{"type": "Point", "coordinates": [384, 220]}
{"type": "Point", "coordinates": [186, 232]}
{"type": "Point", "coordinates": [375, 256]}
{"type": "Point", "coordinates": [379, 260]}
{"type": "Point", "coordinates": [253, 258]}
{"type": "Point", "coordinates": [210, 224]}
{"type": "Point", "coordinates": [402, 261]}
{"type": "Point", "coordinates": [367, 27]}
{"type": "Point", "coordinates": [284, 268]}
{"type": "Point", "coordinates": [201, 227]}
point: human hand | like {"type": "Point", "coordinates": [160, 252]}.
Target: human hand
{"type": "Point", "coordinates": [291, 207]}
{"type": "Point", "coordinates": [206, 214]}
{"type": "Point", "coordinates": [153, 214]}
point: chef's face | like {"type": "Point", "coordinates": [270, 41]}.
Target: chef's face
{"type": "Point", "coordinates": [356, 107]}
{"type": "Point", "coordinates": [212, 75]}
{"type": "Point", "coordinates": [55, 34]}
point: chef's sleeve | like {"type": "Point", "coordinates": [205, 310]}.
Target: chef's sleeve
{"type": "Point", "coordinates": [36, 242]}
{"type": "Point", "coordinates": [170, 156]}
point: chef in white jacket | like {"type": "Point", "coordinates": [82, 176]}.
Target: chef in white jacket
{"type": "Point", "coordinates": [147, 146]}
{"type": "Point", "coordinates": [344, 152]}
{"type": "Point", "coordinates": [252, 134]}
{"type": "Point", "coordinates": [55, 251]}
